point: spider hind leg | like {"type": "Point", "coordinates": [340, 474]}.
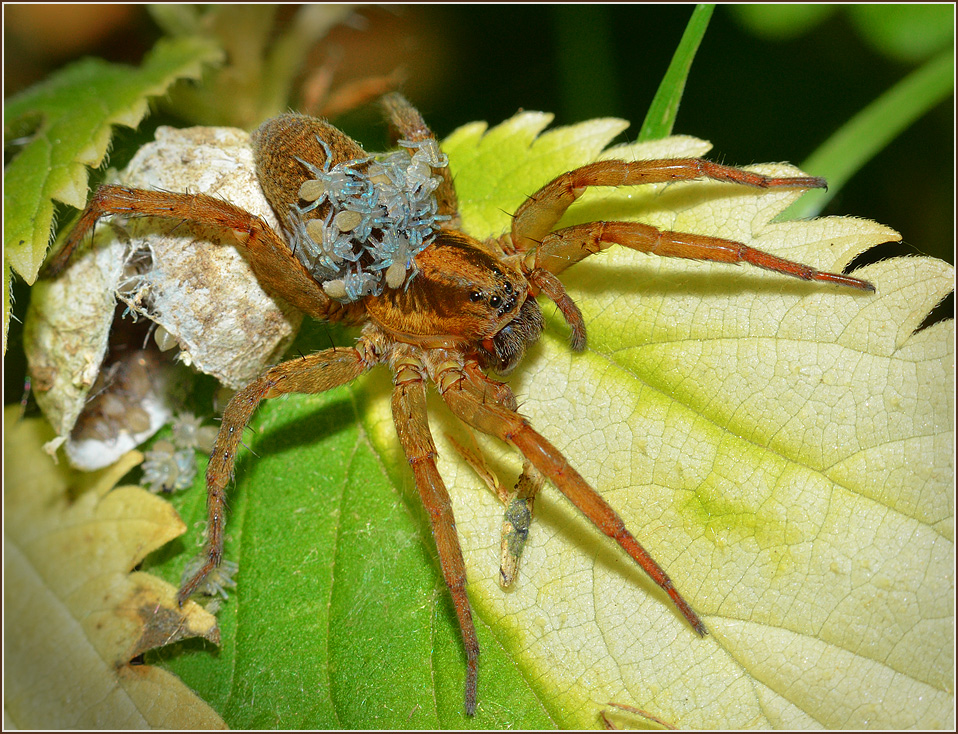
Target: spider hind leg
{"type": "Point", "coordinates": [312, 374]}
{"type": "Point", "coordinates": [412, 426]}
{"type": "Point", "coordinates": [469, 397]}
{"type": "Point", "coordinates": [405, 123]}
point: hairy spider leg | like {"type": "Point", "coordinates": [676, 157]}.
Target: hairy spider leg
{"type": "Point", "coordinates": [275, 266]}
{"type": "Point", "coordinates": [412, 426]}
{"type": "Point", "coordinates": [567, 246]}
{"type": "Point", "coordinates": [469, 399]}
{"type": "Point", "coordinates": [536, 217]}
{"type": "Point", "coordinates": [553, 252]}
{"type": "Point", "coordinates": [518, 501]}
{"type": "Point", "coordinates": [315, 373]}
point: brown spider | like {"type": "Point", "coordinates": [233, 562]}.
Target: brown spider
{"type": "Point", "coordinates": [375, 242]}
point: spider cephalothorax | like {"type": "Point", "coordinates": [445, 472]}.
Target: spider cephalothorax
{"type": "Point", "coordinates": [465, 287]}
{"type": "Point", "coordinates": [376, 241]}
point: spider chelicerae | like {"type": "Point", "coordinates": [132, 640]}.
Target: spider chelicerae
{"type": "Point", "coordinates": [376, 242]}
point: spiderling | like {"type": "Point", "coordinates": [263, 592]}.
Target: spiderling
{"type": "Point", "coordinates": [380, 215]}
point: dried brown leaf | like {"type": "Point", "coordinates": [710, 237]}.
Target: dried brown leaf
{"type": "Point", "coordinates": [74, 614]}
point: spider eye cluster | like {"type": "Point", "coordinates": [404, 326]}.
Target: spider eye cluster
{"type": "Point", "coordinates": [380, 215]}
{"type": "Point", "coordinates": [496, 301]}
{"type": "Point", "coordinates": [502, 301]}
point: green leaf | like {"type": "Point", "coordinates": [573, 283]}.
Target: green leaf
{"type": "Point", "coordinates": [781, 21]}
{"type": "Point", "coordinates": [861, 138]}
{"type": "Point", "coordinates": [665, 105]}
{"type": "Point", "coordinates": [782, 448]}
{"type": "Point", "coordinates": [908, 32]}
{"type": "Point", "coordinates": [68, 121]}
{"type": "Point", "coordinates": [340, 618]}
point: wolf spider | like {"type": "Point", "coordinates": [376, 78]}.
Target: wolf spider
{"type": "Point", "coordinates": [376, 242]}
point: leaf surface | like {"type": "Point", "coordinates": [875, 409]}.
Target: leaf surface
{"type": "Point", "coordinates": [67, 124]}
{"type": "Point", "coordinates": [784, 450]}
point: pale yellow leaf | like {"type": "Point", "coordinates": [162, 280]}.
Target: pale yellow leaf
{"type": "Point", "coordinates": [74, 614]}
{"type": "Point", "coordinates": [784, 449]}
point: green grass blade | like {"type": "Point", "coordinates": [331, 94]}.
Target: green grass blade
{"type": "Point", "coordinates": [665, 105]}
{"type": "Point", "coordinates": [862, 137]}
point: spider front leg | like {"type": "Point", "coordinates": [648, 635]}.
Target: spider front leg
{"type": "Point", "coordinates": [412, 425]}
{"type": "Point", "coordinates": [469, 399]}
{"type": "Point", "coordinates": [543, 210]}
{"type": "Point", "coordinates": [271, 260]}
{"type": "Point", "coordinates": [517, 518]}
{"type": "Point", "coordinates": [567, 246]}
{"type": "Point", "coordinates": [313, 374]}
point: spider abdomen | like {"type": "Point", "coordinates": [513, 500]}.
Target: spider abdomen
{"type": "Point", "coordinates": [355, 223]}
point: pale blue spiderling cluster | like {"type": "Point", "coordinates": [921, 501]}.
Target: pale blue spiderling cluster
{"type": "Point", "coordinates": [216, 583]}
{"type": "Point", "coordinates": [170, 466]}
{"type": "Point", "coordinates": [168, 469]}
{"type": "Point", "coordinates": [381, 214]}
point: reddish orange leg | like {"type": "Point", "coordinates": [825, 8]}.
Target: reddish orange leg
{"type": "Point", "coordinates": [112, 199]}
{"type": "Point", "coordinates": [276, 268]}
{"type": "Point", "coordinates": [412, 425]}
{"type": "Point", "coordinates": [542, 211]}
{"type": "Point", "coordinates": [313, 374]}
{"type": "Point", "coordinates": [551, 286]}
{"type": "Point", "coordinates": [567, 246]}
{"type": "Point", "coordinates": [466, 399]}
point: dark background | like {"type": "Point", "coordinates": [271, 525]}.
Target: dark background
{"type": "Point", "coordinates": [756, 100]}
